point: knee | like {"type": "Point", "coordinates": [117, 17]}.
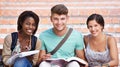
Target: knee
{"type": "Point", "coordinates": [73, 64]}
{"type": "Point", "coordinates": [22, 62]}
{"type": "Point", "coordinates": [44, 64]}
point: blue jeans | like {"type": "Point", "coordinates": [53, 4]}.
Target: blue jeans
{"type": "Point", "coordinates": [22, 62]}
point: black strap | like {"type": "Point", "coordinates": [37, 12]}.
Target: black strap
{"type": "Point", "coordinates": [62, 41]}
{"type": "Point", "coordinates": [33, 42]}
{"type": "Point", "coordinates": [14, 41]}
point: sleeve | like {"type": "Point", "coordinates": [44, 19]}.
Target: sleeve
{"type": "Point", "coordinates": [80, 42]}
{"type": "Point", "coordinates": [6, 52]}
{"type": "Point", "coordinates": [36, 56]}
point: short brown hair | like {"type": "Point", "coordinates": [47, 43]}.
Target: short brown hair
{"type": "Point", "coordinates": [59, 9]}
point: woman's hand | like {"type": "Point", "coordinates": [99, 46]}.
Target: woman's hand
{"type": "Point", "coordinates": [86, 65]}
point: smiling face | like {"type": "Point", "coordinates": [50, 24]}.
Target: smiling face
{"type": "Point", "coordinates": [28, 26]}
{"type": "Point", "coordinates": [94, 28]}
{"type": "Point", "coordinates": [59, 21]}
{"type": "Point", "coordinates": [28, 19]}
{"type": "Point", "coordinates": [95, 24]}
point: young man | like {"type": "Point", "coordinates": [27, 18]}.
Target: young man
{"type": "Point", "coordinates": [50, 38]}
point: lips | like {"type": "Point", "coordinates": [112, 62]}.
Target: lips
{"type": "Point", "coordinates": [93, 32]}
{"type": "Point", "coordinates": [29, 31]}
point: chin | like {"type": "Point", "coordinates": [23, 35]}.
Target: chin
{"type": "Point", "coordinates": [94, 35]}
{"type": "Point", "coordinates": [28, 33]}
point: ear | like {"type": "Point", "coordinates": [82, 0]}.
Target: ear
{"type": "Point", "coordinates": [102, 28]}
{"type": "Point", "coordinates": [67, 17]}
{"type": "Point", "coordinates": [21, 23]}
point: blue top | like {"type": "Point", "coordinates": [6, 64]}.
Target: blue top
{"type": "Point", "coordinates": [50, 40]}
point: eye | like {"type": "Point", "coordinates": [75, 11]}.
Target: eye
{"type": "Point", "coordinates": [55, 18]}
{"type": "Point", "coordinates": [27, 23]}
{"type": "Point", "coordinates": [96, 25]}
{"type": "Point", "coordinates": [89, 26]}
{"type": "Point", "coordinates": [62, 18]}
{"type": "Point", "coordinates": [34, 25]}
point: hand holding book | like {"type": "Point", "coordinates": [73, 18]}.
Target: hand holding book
{"type": "Point", "coordinates": [62, 62]}
{"type": "Point", "coordinates": [28, 53]}
{"type": "Point", "coordinates": [11, 60]}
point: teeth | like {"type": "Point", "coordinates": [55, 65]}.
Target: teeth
{"type": "Point", "coordinates": [30, 31]}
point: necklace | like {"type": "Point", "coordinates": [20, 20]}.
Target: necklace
{"type": "Point", "coordinates": [25, 43]}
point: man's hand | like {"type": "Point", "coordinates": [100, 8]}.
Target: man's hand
{"type": "Point", "coordinates": [46, 56]}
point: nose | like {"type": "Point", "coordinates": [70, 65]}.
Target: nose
{"type": "Point", "coordinates": [59, 21]}
{"type": "Point", "coordinates": [30, 26]}
{"type": "Point", "coordinates": [93, 28]}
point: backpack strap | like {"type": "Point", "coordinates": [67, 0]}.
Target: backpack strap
{"type": "Point", "coordinates": [14, 40]}
{"type": "Point", "coordinates": [33, 42]}
{"type": "Point", "coordinates": [15, 37]}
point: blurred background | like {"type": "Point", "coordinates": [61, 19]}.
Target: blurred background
{"type": "Point", "coordinates": [79, 10]}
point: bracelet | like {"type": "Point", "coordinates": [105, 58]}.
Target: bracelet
{"type": "Point", "coordinates": [107, 65]}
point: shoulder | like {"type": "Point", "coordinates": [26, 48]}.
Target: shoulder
{"type": "Point", "coordinates": [8, 38]}
{"type": "Point", "coordinates": [77, 33]}
{"type": "Point", "coordinates": [38, 43]}
{"type": "Point", "coordinates": [86, 39]}
{"type": "Point", "coordinates": [46, 32]}
{"type": "Point", "coordinates": [111, 40]}
{"type": "Point", "coordinates": [110, 37]}
{"type": "Point", "coordinates": [7, 41]}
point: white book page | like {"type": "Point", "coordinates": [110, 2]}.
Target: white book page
{"type": "Point", "coordinates": [70, 59]}
{"type": "Point", "coordinates": [11, 60]}
{"type": "Point", "coordinates": [28, 53]}
{"type": "Point", "coordinates": [76, 58]}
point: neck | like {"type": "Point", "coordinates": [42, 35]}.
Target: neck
{"type": "Point", "coordinates": [23, 35]}
{"type": "Point", "coordinates": [60, 32]}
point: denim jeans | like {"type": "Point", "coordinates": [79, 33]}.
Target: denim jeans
{"type": "Point", "coordinates": [22, 62]}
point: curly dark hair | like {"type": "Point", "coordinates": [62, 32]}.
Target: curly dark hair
{"type": "Point", "coordinates": [25, 15]}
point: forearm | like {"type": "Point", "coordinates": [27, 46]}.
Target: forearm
{"type": "Point", "coordinates": [36, 56]}
{"type": "Point", "coordinates": [5, 58]}
{"type": "Point", "coordinates": [81, 54]}
{"type": "Point", "coordinates": [6, 54]}
{"type": "Point", "coordinates": [112, 63]}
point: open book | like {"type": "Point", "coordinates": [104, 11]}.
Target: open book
{"type": "Point", "coordinates": [60, 61]}
{"type": "Point", "coordinates": [11, 60]}
{"type": "Point", "coordinates": [28, 53]}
